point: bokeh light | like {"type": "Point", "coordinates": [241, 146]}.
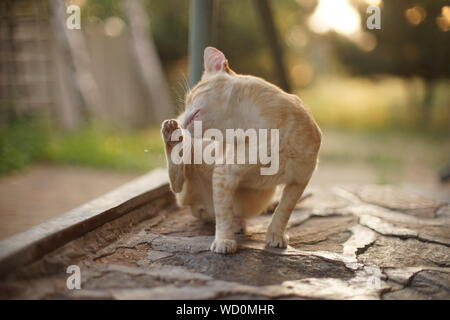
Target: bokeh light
{"type": "Point", "coordinates": [443, 21]}
{"type": "Point", "coordinates": [114, 26]}
{"type": "Point", "coordinates": [415, 15]}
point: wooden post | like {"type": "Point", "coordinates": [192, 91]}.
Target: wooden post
{"type": "Point", "coordinates": [77, 57]}
{"type": "Point", "coordinates": [8, 112]}
{"type": "Point", "coordinates": [270, 31]}
{"type": "Point", "coordinates": [147, 58]}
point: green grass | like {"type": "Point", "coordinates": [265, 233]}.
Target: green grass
{"type": "Point", "coordinates": [95, 146]}
{"type": "Point", "coordinates": [21, 144]}
{"type": "Point", "coordinates": [106, 148]}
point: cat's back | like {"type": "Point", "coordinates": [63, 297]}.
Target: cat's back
{"type": "Point", "coordinates": [280, 109]}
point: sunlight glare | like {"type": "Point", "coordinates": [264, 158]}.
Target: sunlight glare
{"type": "Point", "coordinates": [337, 15]}
{"type": "Point", "coordinates": [373, 2]}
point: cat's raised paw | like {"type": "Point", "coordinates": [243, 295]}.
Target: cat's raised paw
{"type": "Point", "coordinates": [167, 128]}
{"type": "Point", "coordinates": [276, 239]}
{"type": "Point", "coordinates": [224, 246]}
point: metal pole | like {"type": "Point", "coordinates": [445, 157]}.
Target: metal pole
{"type": "Point", "coordinates": [200, 36]}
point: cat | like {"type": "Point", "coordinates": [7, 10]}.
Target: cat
{"type": "Point", "coordinates": [230, 193]}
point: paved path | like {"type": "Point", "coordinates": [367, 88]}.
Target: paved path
{"type": "Point", "coordinates": [42, 192]}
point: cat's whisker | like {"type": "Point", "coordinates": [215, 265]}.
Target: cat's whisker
{"type": "Point", "coordinates": [183, 88]}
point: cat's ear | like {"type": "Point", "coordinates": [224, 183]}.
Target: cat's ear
{"type": "Point", "coordinates": [214, 60]}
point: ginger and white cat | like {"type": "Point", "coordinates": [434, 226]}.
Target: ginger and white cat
{"type": "Point", "coordinates": [230, 193]}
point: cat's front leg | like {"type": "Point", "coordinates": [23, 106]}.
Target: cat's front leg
{"type": "Point", "coordinates": [176, 171]}
{"type": "Point", "coordinates": [225, 182]}
{"type": "Point", "coordinates": [276, 236]}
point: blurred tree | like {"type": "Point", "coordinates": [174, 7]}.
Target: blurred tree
{"type": "Point", "coordinates": [170, 26]}
{"type": "Point", "coordinates": [149, 63]}
{"type": "Point", "coordinates": [414, 41]}
{"type": "Point", "coordinates": [242, 38]}
{"type": "Point", "coordinates": [239, 31]}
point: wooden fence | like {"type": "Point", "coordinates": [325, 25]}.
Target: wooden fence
{"type": "Point", "coordinates": [92, 73]}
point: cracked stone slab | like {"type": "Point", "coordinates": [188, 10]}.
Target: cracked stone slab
{"type": "Point", "coordinates": [399, 253]}
{"type": "Point", "coordinates": [322, 233]}
{"type": "Point", "coordinates": [182, 244]}
{"type": "Point", "coordinates": [256, 267]}
{"type": "Point", "coordinates": [424, 285]}
{"type": "Point", "coordinates": [443, 211]}
{"type": "Point", "coordinates": [322, 199]}
{"type": "Point", "coordinates": [363, 242]}
{"type": "Point", "coordinates": [385, 227]}
{"type": "Point", "coordinates": [154, 255]}
{"type": "Point", "coordinates": [395, 199]}
{"type": "Point", "coordinates": [181, 224]}
{"type": "Point", "coordinates": [114, 276]}
{"type": "Point", "coordinates": [403, 275]}
{"type": "Point", "coordinates": [332, 288]}
{"type": "Point", "coordinates": [360, 240]}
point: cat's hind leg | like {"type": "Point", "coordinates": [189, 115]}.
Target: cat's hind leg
{"type": "Point", "coordinates": [276, 236]}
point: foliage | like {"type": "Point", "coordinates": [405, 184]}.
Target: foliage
{"type": "Point", "coordinates": [22, 143]}
{"type": "Point", "coordinates": [35, 140]}
{"type": "Point", "coordinates": [107, 148]}
{"type": "Point", "coordinates": [238, 34]}
{"type": "Point", "coordinates": [406, 47]}
{"type": "Point", "coordinates": [384, 104]}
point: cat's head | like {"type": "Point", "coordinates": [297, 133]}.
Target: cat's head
{"type": "Point", "coordinates": [207, 101]}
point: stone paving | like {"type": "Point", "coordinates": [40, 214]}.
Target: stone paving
{"type": "Point", "coordinates": [354, 242]}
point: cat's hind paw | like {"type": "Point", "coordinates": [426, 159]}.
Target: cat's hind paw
{"type": "Point", "coordinates": [276, 239]}
{"type": "Point", "coordinates": [224, 246]}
